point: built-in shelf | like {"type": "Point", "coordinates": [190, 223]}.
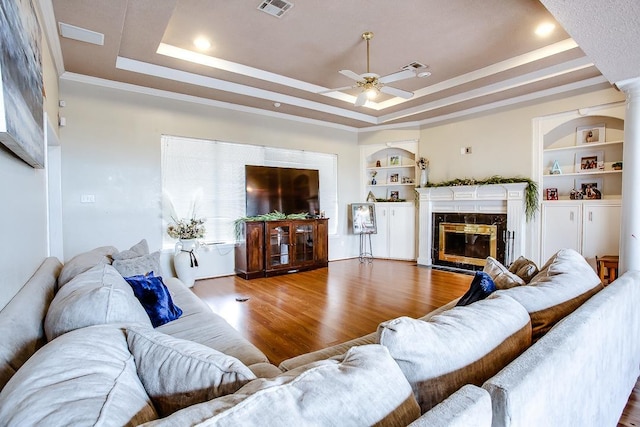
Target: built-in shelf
{"type": "Point", "coordinates": [582, 147]}
{"type": "Point", "coordinates": [606, 172]}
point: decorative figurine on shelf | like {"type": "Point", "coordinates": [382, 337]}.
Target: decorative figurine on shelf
{"type": "Point", "coordinates": [378, 164]}
{"type": "Point", "coordinates": [556, 169]}
{"type": "Point", "coordinates": [373, 177]}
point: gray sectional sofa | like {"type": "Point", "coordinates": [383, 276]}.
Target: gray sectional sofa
{"type": "Point", "coordinates": [560, 350]}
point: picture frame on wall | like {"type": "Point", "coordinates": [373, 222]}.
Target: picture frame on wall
{"type": "Point", "coordinates": [363, 218]}
{"type": "Point", "coordinates": [589, 161]}
{"type": "Point", "coordinates": [590, 134]}
{"type": "Point", "coordinates": [394, 160]}
{"type": "Point", "coordinates": [590, 188]}
{"type": "Point", "coordinates": [22, 87]}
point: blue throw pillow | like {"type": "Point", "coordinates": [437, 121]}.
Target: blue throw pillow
{"type": "Point", "coordinates": [481, 287]}
{"type": "Point", "coordinates": [155, 298]}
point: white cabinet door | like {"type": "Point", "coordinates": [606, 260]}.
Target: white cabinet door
{"type": "Point", "coordinates": [380, 240]}
{"type": "Point", "coordinates": [402, 232]}
{"type": "Point", "coordinates": [561, 227]}
{"type": "Point", "coordinates": [601, 231]}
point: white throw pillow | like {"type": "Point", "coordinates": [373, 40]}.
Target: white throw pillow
{"type": "Point", "coordinates": [84, 261]}
{"type": "Point", "coordinates": [139, 249]}
{"type": "Point", "coordinates": [177, 373]}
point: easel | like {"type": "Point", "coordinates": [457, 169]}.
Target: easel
{"type": "Point", "coordinates": [365, 256]}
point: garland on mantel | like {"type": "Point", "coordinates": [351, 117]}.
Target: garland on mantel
{"type": "Point", "coordinates": [531, 190]}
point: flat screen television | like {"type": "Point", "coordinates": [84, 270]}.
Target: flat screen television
{"type": "Point", "coordinates": [287, 190]}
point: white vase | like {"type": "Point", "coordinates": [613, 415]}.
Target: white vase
{"type": "Point", "coordinates": [185, 261]}
{"type": "Point", "coordinates": [424, 179]}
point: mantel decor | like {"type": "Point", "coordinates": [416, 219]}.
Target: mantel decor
{"type": "Point", "coordinates": [531, 191]}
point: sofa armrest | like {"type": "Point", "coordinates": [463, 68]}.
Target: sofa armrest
{"type": "Point", "coordinates": [470, 405]}
{"type": "Point", "coordinates": [582, 371]}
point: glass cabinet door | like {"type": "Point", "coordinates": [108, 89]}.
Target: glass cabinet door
{"type": "Point", "coordinates": [279, 245]}
{"type": "Point", "coordinates": [304, 242]}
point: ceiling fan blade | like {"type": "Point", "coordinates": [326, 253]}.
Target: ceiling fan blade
{"type": "Point", "coordinates": [361, 99]}
{"type": "Point", "coordinates": [338, 89]}
{"type": "Point", "coordinates": [396, 92]}
{"type": "Point", "coordinates": [400, 75]}
{"type": "Point", "coordinates": [351, 75]}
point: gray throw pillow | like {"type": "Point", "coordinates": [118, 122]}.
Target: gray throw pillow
{"type": "Point", "coordinates": [139, 249]}
{"type": "Point", "coordinates": [177, 373]}
{"type": "Point", "coordinates": [139, 266]}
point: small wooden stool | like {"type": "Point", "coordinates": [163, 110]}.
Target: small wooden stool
{"type": "Point", "coordinates": [610, 262]}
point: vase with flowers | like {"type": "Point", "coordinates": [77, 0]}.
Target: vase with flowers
{"type": "Point", "coordinates": [187, 231]}
{"type": "Point", "coordinates": [423, 164]}
{"type": "Point", "coordinates": [373, 177]}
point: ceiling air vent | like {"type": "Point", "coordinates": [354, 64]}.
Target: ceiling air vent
{"type": "Point", "coordinates": [414, 66]}
{"type": "Point", "coordinates": [275, 8]}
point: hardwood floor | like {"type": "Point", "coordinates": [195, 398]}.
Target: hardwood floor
{"type": "Point", "coordinates": [289, 315]}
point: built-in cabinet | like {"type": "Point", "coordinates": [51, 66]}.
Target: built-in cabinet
{"type": "Point", "coordinates": [589, 227]}
{"type": "Point", "coordinates": [390, 173]}
{"type": "Point", "coordinates": [580, 150]}
{"type": "Point", "coordinates": [268, 248]}
{"type": "Point", "coordinates": [396, 236]}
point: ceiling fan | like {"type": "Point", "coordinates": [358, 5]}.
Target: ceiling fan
{"type": "Point", "coordinates": [371, 83]}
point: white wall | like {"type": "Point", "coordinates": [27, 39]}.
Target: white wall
{"type": "Point", "coordinates": [111, 150]}
{"type": "Point", "coordinates": [501, 141]}
{"type": "Point", "coordinates": [23, 215]}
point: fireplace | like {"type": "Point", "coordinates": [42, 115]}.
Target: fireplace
{"type": "Point", "coordinates": [465, 240]}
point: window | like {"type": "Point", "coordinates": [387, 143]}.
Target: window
{"type": "Point", "coordinates": [206, 179]}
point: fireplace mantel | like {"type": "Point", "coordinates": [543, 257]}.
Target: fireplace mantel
{"type": "Point", "coordinates": [492, 198]}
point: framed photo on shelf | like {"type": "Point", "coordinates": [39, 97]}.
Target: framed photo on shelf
{"type": "Point", "coordinates": [393, 178]}
{"type": "Point", "coordinates": [394, 160]}
{"type": "Point", "coordinates": [590, 134]}
{"type": "Point", "coordinates": [394, 195]}
{"type": "Point", "coordinates": [552, 193]}
{"type": "Point", "coordinates": [590, 188]}
{"type": "Point", "coordinates": [589, 161]}
{"type": "Point", "coordinates": [363, 218]}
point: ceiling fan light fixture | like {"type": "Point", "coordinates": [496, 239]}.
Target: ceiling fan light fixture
{"type": "Point", "coordinates": [372, 93]}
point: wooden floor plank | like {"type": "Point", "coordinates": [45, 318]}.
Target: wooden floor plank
{"type": "Point", "coordinates": [286, 316]}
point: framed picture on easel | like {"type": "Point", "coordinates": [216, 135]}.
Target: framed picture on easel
{"type": "Point", "coordinates": [363, 218]}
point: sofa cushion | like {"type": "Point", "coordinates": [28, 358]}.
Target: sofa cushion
{"type": "Point", "coordinates": [139, 265]}
{"type": "Point", "coordinates": [481, 287]}
{"type": "Point", "coordinates": [97, 296]}
{"type": "Point", "coordinates": [524, 268]}
{"type": "Point", "coordinates": [22, 319]}
{"type": "Point", "coordinates": [84, 261]}
{"type": "Point", "coordinates": [178, 373]}
{"type": "Point", "coordinates": [561, 286]}
{"type": "Point", "coordinates": [139, 249]}
{"type": "Point", "coordinates": [464, 345]}
{"type": "Point", "coordinates": [155, 298]}
{"type": "Point", "coordinates": [86, 377]}
{"type": "Point", "coordinates": [502, 277]}
{"type": "Point", "coordinates": [362, 387]}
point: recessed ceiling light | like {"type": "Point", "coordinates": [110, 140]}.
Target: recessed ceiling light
{"type": "Point", "coordinates": [545, 29]}
{"type": "Point", "coordinates": [202, 43]}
